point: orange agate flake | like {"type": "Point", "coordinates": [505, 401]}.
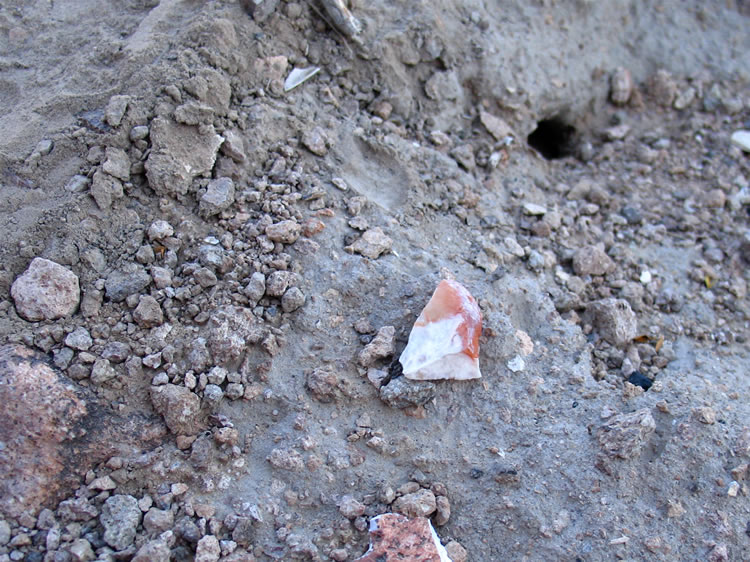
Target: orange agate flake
{"type": "Point", "coordinates": [444, 343]}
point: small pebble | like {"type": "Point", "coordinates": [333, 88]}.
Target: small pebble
{"type": "Point", "coordinates": [734, 488]}
{"type": "Point", "coordinates": [742, 139]}
{"type": "Point", "coordinates": [638, 379]}
{"type": "Point", "coordinates": [516, 364]}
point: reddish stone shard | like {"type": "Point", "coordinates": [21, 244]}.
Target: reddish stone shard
{"type": "Point", "coordinates": [444, 343]}
{"type": "Point", "coordinates": [395, 537]}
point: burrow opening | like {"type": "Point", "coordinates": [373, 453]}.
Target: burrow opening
{"type": "Point", "coordinates": [553, 138]}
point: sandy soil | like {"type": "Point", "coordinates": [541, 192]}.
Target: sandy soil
{"type": "Point", "coordinates": [238, 246]}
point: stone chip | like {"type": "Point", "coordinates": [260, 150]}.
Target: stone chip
{"type": "Point", "coordinates": [418, 504]}
{"type": "Point", "coordinates": [372, 244]}
{"type": "Point", "coordinates": [380, 347]}
{"type": "Point", "coordinates": [625, 435]}
{"type": "Point", "coordinates": [287, 231]}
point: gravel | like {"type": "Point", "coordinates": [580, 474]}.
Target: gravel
{"type": "Point", "coordinates": [372, 244]}
{"type": "Point", "coordinates": [592, 260]}
{"type": "Point", "coordinates": [117, 163]}
{"type": "Point", "coordinates": [293, 299]}
{"type": "Point", "coordinates": [614, 320]}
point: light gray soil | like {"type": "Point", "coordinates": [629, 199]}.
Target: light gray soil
{"type": "Point", "coordinates": [562, 459]}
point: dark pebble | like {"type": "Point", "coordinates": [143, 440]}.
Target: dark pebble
{"type": "Point", "coordinates": [181, 552]}
{"type": "Point", "coordinates": [34, 557]}
{"type": "Point", "coordinates": [632, 215]}
{"type": "Point", "coordinates": [476, 473]}
{"type": "Point", "coordinates": [39, 538]}
{"type": "Point", "coordinates": [640, 380]}
{"type": "Point", "coordinates": [243, 532]}
{"type": "Point", "coordinates": [396, 369]}
{"type": "Point", "coordinates": [94, 120]}
{"type": "Point", "coordinates": [95, 539]}
{"type": "Point", "coordinates": [188, 530]}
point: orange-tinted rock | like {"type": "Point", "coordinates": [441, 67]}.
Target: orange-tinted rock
{"type": "Point", "coordinates": [395, 537]}
{"type": "Point", "coordinates": [444, 343]}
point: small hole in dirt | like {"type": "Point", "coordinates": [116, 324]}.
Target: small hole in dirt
{"type": "Point", "coordinates": [553, 138]}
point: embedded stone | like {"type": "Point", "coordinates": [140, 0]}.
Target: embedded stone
{"type": "Point", "coordinates": [179, 153]}
{"type": "Point", "coordinates": [614, 320]}
{"type": "Point", "coordinates": [46, 291]}
{"type": "Point", "coordinates": [621, 86]}
{"type": "Point", "coordinates": [625, 435]}
{"type": "Point", "coordinates": [371, 244]}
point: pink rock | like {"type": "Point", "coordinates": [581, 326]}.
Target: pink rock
{"type": "Point", "coordinates": [444, 343]}
{"type": "Point", "coordinates": [395, 537]}
{"type": "Point", "coordinates": [46, 291]}
{"type": "Point", "coordinates": [40, 412]}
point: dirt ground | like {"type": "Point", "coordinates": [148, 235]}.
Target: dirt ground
{"type": "Point", "coordinates": [210, 370]}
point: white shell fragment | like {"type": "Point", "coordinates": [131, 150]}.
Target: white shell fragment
{"type": "Point", "coordinates": [444, 342]}
{"type": "Point", "coordinates": [299, 75]}
{"type": "Point", "coordinates": [516, 364]}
